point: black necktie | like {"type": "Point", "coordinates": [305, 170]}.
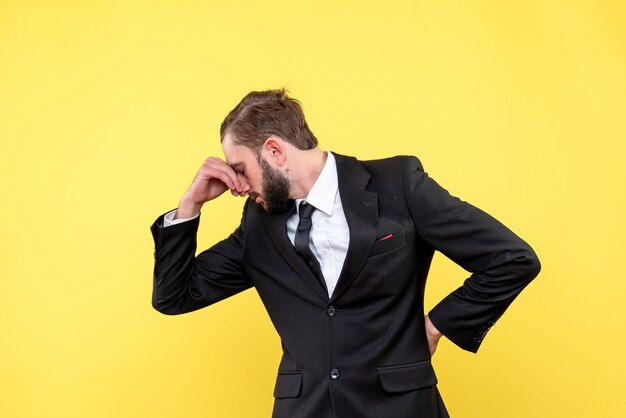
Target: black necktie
{"type": "Point", "coordinates": [301, 242]}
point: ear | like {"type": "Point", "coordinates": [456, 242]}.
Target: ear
{"type": "Point", "coordinates": [275, 149]}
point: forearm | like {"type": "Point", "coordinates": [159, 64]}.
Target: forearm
{"type": "Point", "coordinates": [184, 282]}
{"type": "Point", "coordinates": [502, 264]}
{"type": "Point", "coordinates": [467, 314]}
{"type": "Point", "coordinates": [174, 260]}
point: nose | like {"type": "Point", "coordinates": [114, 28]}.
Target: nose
{"type": "Point", "coordinates": [244, 182]}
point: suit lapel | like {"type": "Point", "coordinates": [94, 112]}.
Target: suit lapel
{"type": "Point", "coordinates": [361, 210]}
{"type": "Point", "coordinates": [276, 227]}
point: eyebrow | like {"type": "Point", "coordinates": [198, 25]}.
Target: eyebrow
{"type": "Point", "coordinates": [236, 166]}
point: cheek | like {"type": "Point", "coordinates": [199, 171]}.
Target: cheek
{"type": "Point", "coordinates": [255, 182]}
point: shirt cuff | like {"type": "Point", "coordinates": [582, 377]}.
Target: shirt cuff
{"type": "Point", "coordinates": [169, 220]}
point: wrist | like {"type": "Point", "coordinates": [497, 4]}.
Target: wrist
{"type": "Point", "coordinates": [187, 208]}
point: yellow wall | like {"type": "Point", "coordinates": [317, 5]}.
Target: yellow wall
{"type": "Point", "coordinates": [108, 108]}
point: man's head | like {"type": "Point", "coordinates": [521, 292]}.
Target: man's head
{"type": "Point", "coordinates": [266, 140]}
{"type": "Point", "coordinates": [262, 114]}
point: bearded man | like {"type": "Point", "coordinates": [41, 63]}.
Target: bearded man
{"type": "Point", "coordinates": [339, 251]}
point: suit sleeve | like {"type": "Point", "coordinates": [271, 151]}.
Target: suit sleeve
{"type": "Point", "coordinates": [184, 282]}
{"type": "Point", "coordinates": [500, 262]}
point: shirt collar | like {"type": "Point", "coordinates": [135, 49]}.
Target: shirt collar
{"type": "Point", "coordinates": [322, 194]}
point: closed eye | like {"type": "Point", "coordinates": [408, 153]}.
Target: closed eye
{"type": "Point", "coordinates": [238, 168]}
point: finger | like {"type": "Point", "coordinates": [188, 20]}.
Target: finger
{"type": "Point", "coordinates": [239, 182]}
{"type": "Point", "coordinates": [234, 176]}
{"type": "Point", "coordinates": [216, 168]}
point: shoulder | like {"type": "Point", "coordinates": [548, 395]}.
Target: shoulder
{"type": "Point", "coordinates": [397, 161]}
{"type": "Point", "coordinates": [380, 173]}
{"type": "Point", "coordinates": [398, 164]}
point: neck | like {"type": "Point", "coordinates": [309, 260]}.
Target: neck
{"type": "Point", "coordinates": [306, 169]}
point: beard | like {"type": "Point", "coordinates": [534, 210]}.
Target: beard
{"type": "Point", "coordinates": [275, 189]}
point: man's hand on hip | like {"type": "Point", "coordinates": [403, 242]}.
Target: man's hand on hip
{"type": "Point", "coordinates": [432, 334]}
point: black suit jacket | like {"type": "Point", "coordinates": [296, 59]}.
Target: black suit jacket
{"type": "Point", "coordinates": [363, 352]}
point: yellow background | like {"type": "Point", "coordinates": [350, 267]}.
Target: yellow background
{"type": "Point", "coordinates": [108, 108]}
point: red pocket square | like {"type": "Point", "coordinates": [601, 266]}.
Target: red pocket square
{"type": "Point", "coordinates": [385, 237]}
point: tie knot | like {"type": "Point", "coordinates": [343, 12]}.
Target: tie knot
{"type": "Point", "coordinates": [305, 210]}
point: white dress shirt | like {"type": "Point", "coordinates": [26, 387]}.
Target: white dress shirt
{"type": "Point", "coordinates": [330, 235]}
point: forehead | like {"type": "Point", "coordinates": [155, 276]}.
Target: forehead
{"type": "Point", "coordinates": [236, 154]}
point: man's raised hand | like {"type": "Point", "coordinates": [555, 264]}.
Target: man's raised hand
{"type": "Point", "coordinates": [214, 178]}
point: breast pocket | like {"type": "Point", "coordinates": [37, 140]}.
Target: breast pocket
{"type": "Point", "coordinates": [386, 245]}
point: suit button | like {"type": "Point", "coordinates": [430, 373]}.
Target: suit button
{"type": "Point", "coordinates": [334, 374]}
{"type": "Point", "coordinates": [331, 311]}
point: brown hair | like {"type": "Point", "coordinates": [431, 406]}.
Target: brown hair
{"type": "Point", "coordinates": [264, 113]}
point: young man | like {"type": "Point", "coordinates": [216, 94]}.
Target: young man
{"type": "Point", "coordinates": [339, 252]}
